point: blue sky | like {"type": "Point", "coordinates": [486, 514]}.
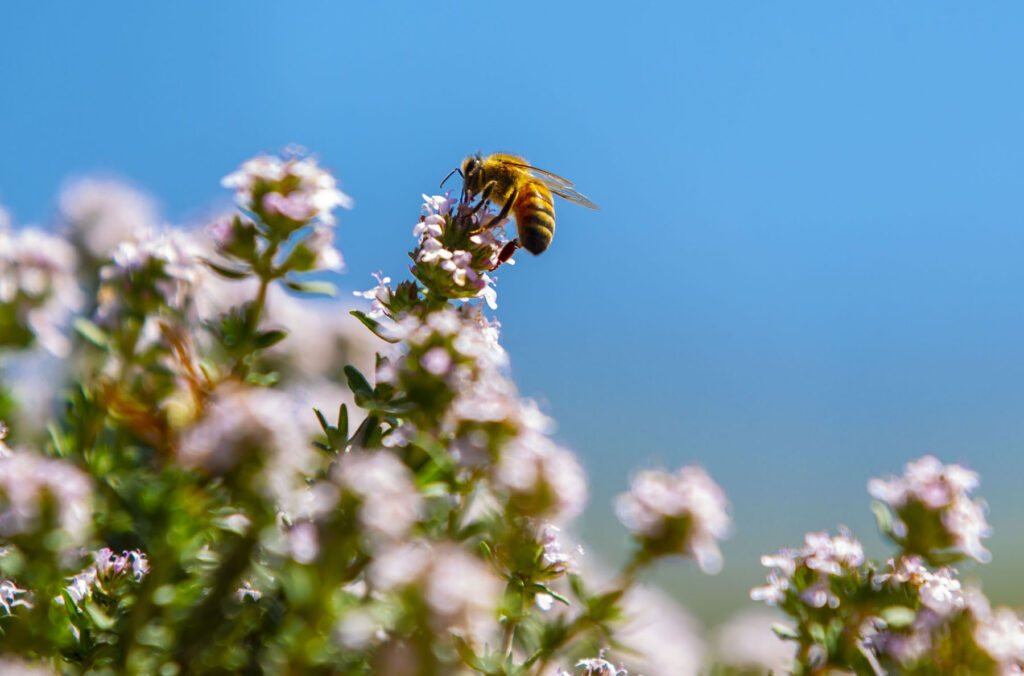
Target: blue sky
{"type": "Point", "coordinates": [806, 269]}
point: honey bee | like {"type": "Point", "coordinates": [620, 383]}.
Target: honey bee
{"type": "Point", "coordinates": [511, 183]}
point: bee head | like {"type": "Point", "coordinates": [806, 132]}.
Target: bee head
{"type": "Point", "coordinates": [471, 172]}
{"type": "Point", "coordinates": [471, 164]}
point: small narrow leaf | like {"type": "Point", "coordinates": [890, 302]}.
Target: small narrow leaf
{"type": "Point", "coordinates": [224, 271]}
{"type": "Point", "coordinates": [342, 427]}
{"type": "Point", "coordinates": [784, 632]}
{"type": "Point", "coordinates": [324, 425]}
{"type": "Point", "coordinates": [268, 338]}
{"type": "Point", "coordinates": [378, 329]}
{"type": "Point", "coordinates": [318, 288]}
{"type": "Point", "coordinates": [91, 332]}
{"type": "Point", "coordinates": [357, 383]}
{"type": "Point", "coordinates": [898, 617]}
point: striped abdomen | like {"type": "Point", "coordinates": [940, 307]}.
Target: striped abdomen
{"type": "Point", "coordinates": [535, 217]}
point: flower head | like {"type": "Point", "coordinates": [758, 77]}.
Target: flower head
{"type": "Point", "coordinates": [453, 254]}
{"type": "Point", "coordinates": [684, 513]}
{"type": "Point", "coordinates": [98, 213]}
{"type": "Point", "coordinates": [934, 509]}
{"type": "Point", "coordinates": [153, 270]}
{"type": "Point", "coordinates": [295, 188]}
{"type": "Point", "coordinates": [389, 501]}
{"type": "Point", "coordinates": [26, 479]}
{"type": "Point", "coordinates": [254, 426]}
{"type": "Point", "coordinates": [808, 572]}
{"type": "Point", "coordinates": [37, 282]}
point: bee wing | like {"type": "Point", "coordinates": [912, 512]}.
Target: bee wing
{"type": "Point", "coordinates": [568, 193]}
{"type": "Point", "coordinates": [560, 186]}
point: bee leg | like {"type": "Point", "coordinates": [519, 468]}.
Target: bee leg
{"type": "Point", "coordinates": [485, 194]}
{"type": "Point", "coordinates": [503, 214]}
{"type": "Point", "coordinates": [506, 252]}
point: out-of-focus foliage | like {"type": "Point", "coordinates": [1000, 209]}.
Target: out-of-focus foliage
{"type": "Point", "coordinates": [909, 614]}
{"type": "Point", "coordinates": [214, 473]}
{"type": "Point", "coordinates": [222, 475]}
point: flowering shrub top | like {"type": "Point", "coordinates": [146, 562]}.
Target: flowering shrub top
{"type": "Point", "coordinates": [416, 529]}
{"type": "Point", "coordinates": [240, 480]}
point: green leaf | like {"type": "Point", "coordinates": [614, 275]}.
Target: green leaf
{"type": "Point", "coordinates": [100, 618]}
{"type": "Point", "coordinates": [378, 329]}
{"type": "Point", "coordinates": [224, 271]}
{"type": "Point", "coordinates": [358, 384]}
{"type": "Point", "coordinates": [576, 585]}
{"type": "Point", "coordinates": [898, 617]}
{"type": "Point", "coordinates": [318, 288]}
{"type": "Point", "coordinates": [544, 589]}
{"type": "Point", "coordinates": [263, 379]}
{"type": "Point", "coordinates": [324, 425]}
{"type": "Point", "coordinates": [268, 338]}
{"type": "Point", "coordinates": [91, 332]}
{"type": "Point", "coordinates": [883, 516]}
{"type": "Point", "coordinates": [785, 632]}
{"type": "Point", "coordinates": [75, 613]}
{"type": "Point", "coordinates": [342, 427]}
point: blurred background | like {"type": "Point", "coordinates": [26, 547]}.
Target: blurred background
{"type": "Point", "coordinates": [806, 269]}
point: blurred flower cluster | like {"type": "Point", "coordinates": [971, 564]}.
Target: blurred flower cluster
{"type": "Point", "coordinates": [288, 491]}
{"type": "Point", "coordinates": [296, 485]}
{"type": "Point", "coordinates": [910, 614]}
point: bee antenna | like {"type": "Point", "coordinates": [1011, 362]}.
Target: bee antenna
{"type": "Point", "coordinates": [456, 170]}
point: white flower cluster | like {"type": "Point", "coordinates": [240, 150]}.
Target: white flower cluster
{"type": "Point", "coordinates": [314, 196]}
{"type": "Point", "coordinates": [99, 213]}
{"type": "Point", "coordinates": [474, 342]}
{"type": "Point", "coordinates": [437, 211]}
{"type": "Point", "coordinates": [826, 556]}
{"type": "Point", "coordinates": [378, 296]}
{"type": "Point", "coordinates": [27, 478]}
{"type": "Point", "coordinates": [658, 504]}
{"type": "Point", "coordinates": [106, 567]}
{"type": "Point", "coordinates": [389, 500]}
{"type": "Point", "coordinates": [12, 596]}
{"type": "Point", "coordinates": [938, 591]}
{"type": "Point", "coordinates": [598, 666]}
{"type": "Point", "coordinates": [555, 558]}
{"type": "Point", "coordinates": [541, 477]}
{"type": "Point", "coordinates": [998, 632]}
{"type": "Point", "coordinates": [239, 420]}
{"type": "Point", "coordinates": [37, 275]}
{"type": "Point", "coordinates": [942, 489]}
{"type": "Point", "coordinates": [11, 666]}
{"type": "Point", "coordinates": [459, 589]}
{"type": "Point", "coordinates": [175, 255]}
